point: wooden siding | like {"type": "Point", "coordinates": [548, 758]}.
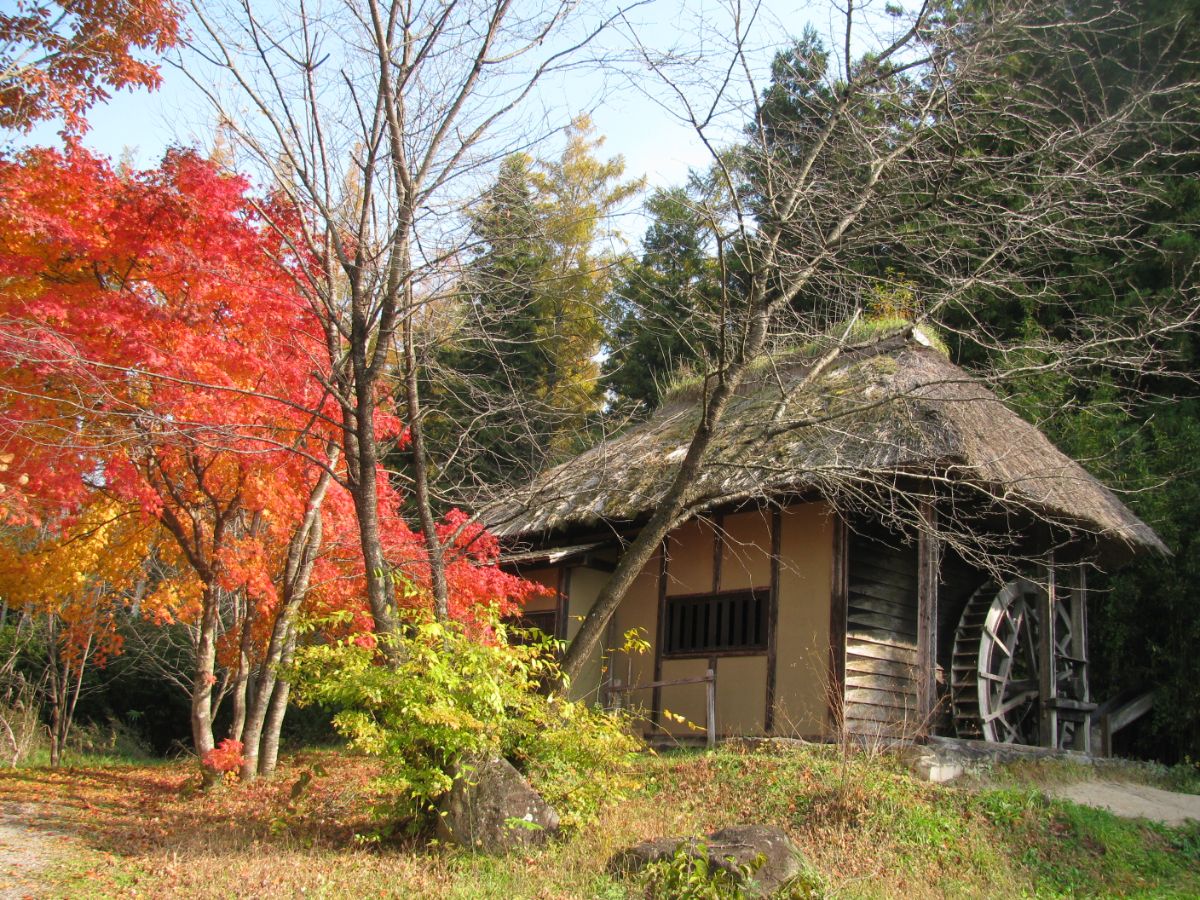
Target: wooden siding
{"type": "Point", "coordinates": [881, 640]}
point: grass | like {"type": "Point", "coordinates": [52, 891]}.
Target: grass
{"type": "Point", "coordinates": [1183, 778]}
{"type": "Point", "coordinates": [864, 826]}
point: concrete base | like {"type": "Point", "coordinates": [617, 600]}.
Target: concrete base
{"type": "Point", "coordinates": [944, 759]}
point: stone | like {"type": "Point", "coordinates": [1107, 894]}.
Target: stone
{"type": "Point", "coordinates": [730, 849]}
{"type": "Point", "coordinates": [928, 765]}
{"type": "Point", "coordinates": [494, 809]}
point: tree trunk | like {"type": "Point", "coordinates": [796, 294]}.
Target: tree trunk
{"type": "Point", "coordinates": [204, 679]}
{"type": "Point", "coordinates": [302, 555]}
{"type": "Point", "coordinates": [667, 511]}
{"type": "Point", "coordinates": [269, 754]}
{"type": "Point", "coordinates": [241, 681]}
{"type": "Point", "coordinates": [420, 466]}
{"type": "Point", "coordinates": [362, 466]}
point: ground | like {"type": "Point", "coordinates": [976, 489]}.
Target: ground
{"type": "Point", "coordinates": [28, 844]}
{"type": "Point", "coordinates": [1132, 801]}
{"type": "Point", "coordinates": [864, 826]}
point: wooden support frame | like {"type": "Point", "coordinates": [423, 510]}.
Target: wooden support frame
{"type": "Point", "coordinates": [773, 620]}
{"type": "Point", "coordinates": [656, 696]}
{"type": "Point", "coordinates": [708, 679]}
{"type": "Point", "coordinates": [1079, 621]}
{"type": "Point", "coordinates": [564, 603]}
{"type": "Point", "coordinates": [839, 595]}
{"type": "Point", "coordinates": [929, 553]}
{"type": "Point", "coordinates": [1048, 659]}
{"type": "Point", "coordinates": [1079, 650]}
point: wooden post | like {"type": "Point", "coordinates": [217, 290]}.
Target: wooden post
{"type": "Point", "coordinates": [563, 610]}
{"type": "Point", "coordinates": [773, 621]}
{"type": "Point", "coordinates": [928, 562]}
{"type": "Point", "coordinates": [1048, 660]}
{"type": "Point", "coordinates": [1079, 648]}
{"type": "Point", "coordinates": [710, 697]}
{"type": "Point", "coordinates": [659, 639]}
{"type": "Point", "coordinates": [839, 600]}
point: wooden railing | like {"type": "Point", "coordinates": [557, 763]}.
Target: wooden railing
{"type": "Point", "coordinates": [1116, 714]}
{"type": "Point", "coordinates": [708, 679]}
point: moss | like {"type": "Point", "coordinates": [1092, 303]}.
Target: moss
{"type": "Point", "coordinates": [687, 383]}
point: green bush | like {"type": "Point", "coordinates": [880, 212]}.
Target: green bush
{"type": "Point", "coordinates": [691, 874]}
{"type": "Point", "coordinates": [455, 696]}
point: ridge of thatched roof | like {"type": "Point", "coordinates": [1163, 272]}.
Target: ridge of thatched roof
{"type": "Point", "coordinates": [896, 408]}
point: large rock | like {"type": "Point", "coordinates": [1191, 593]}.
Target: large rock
{"type": "Point", "coordinates": [492, 808]}
{"type": "Point", "coordinates": [731, 849]}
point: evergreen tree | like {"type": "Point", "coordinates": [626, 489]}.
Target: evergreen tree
{"type": "Point", "coordinates": [665, 304]}
{"type": "Point", "coordinates": [518, 382]}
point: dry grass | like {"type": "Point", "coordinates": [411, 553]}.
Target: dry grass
{"type": "Point", "coordinates": [865, 827]}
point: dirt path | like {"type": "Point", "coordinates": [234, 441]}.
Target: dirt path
{"type": "Point", "coordinates": [25, 849]}
{"type": "Point", "coordinates": [1132, 801]}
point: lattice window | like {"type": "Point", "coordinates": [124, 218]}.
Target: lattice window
{"type": "Point", "coordinates": [729, 622]}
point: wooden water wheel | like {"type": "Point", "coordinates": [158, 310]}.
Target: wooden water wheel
{"type": "Point", "coordinates": [997, 688]}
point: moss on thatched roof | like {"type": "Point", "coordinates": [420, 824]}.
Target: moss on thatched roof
{"type": "Point", "coordinates": [868, 418]}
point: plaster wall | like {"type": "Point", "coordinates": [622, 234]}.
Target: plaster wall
{"type": "Point", "coordinates": [802, 638]}
{"type": "Point", "coordinates": [547, 576]}
{"type": "Point", "coordinates": [745, 553]}
{"type": "Point", "coordinates": [584, 587]}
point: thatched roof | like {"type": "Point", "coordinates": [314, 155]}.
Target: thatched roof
{"type": "Point", "coordinates": [866, 419]}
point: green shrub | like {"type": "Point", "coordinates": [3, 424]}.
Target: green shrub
{"type": "Point", "coordinates": [455, 696]}
{"type": "Point", "coordinates": [690, 873]}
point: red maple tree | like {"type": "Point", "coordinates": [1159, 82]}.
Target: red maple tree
{"type": "Point", "coordinates": [58, 58]}
{"type": "Point", "coordinates": [154, 350]}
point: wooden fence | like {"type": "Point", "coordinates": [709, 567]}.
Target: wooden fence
{"type": "Point", "coordinates": [708, 679]}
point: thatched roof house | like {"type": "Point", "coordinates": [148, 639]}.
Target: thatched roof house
{"type": "Point", "coordinates": [822, 616]}
{"type": "Point", "coordinates": [899, 407]}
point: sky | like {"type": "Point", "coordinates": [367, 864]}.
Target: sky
{"type": "Point", "coordinates": [141, 125]}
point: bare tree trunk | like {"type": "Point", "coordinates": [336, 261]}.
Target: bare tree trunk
{"type": "Point", "coordinates": [68, 717]}
{"type": "Point", "coordinates": [66, 685]}
{"type": "Point", "coordinates": [242, 678]}
{"type": "Point", "coordinates": [269, 754]}
{"type": "Point", "coordinates": [57, 679]}
{"type": "Point", "coordinates": [302, 555]}
{"type": "Point", "coordinates": [667, 513]}
{"type": "Point", "coordinates": [362, 456]}
{"type": "Point", "coordinates": [410, 103]}
{"type": "Point", "coordinates": [204, 678]}
{"type": "Point", "coordinates": [420, 468]}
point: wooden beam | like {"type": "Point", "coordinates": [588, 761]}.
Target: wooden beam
{"type": "Point", "coordinates": [659, 642]}
{"type": "Point", "coordinates": [596, 564]}
{"type": "Point", "coordinates": [564, 603]}
{"type": "Point", "coordinates": [773, 620]}
{"type": "Point", "coordinates": [710, 698]}
{"type": "Point", "coordinates": [674, 682]}
{"type": "Point", "coordinates": [1079, 648]}
{"type": "Point", "coordinates": [839, 599]}
{"type": "Point", "coordinates": [928, 566]}
{"type": "Point", "coordinates": [1131, 712]}
{"type": "Point", "coordinates": [1048, 659]}
{"type": "Point", "coordinates": [718, 529]}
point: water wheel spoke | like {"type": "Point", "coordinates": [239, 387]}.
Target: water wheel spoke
{"type": "Point", "coordinates": [1009, 705]}
{"type": "Point", "coordinates": [998, 641]}
{"type": "Point", "coordinates": [1025, 685]}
